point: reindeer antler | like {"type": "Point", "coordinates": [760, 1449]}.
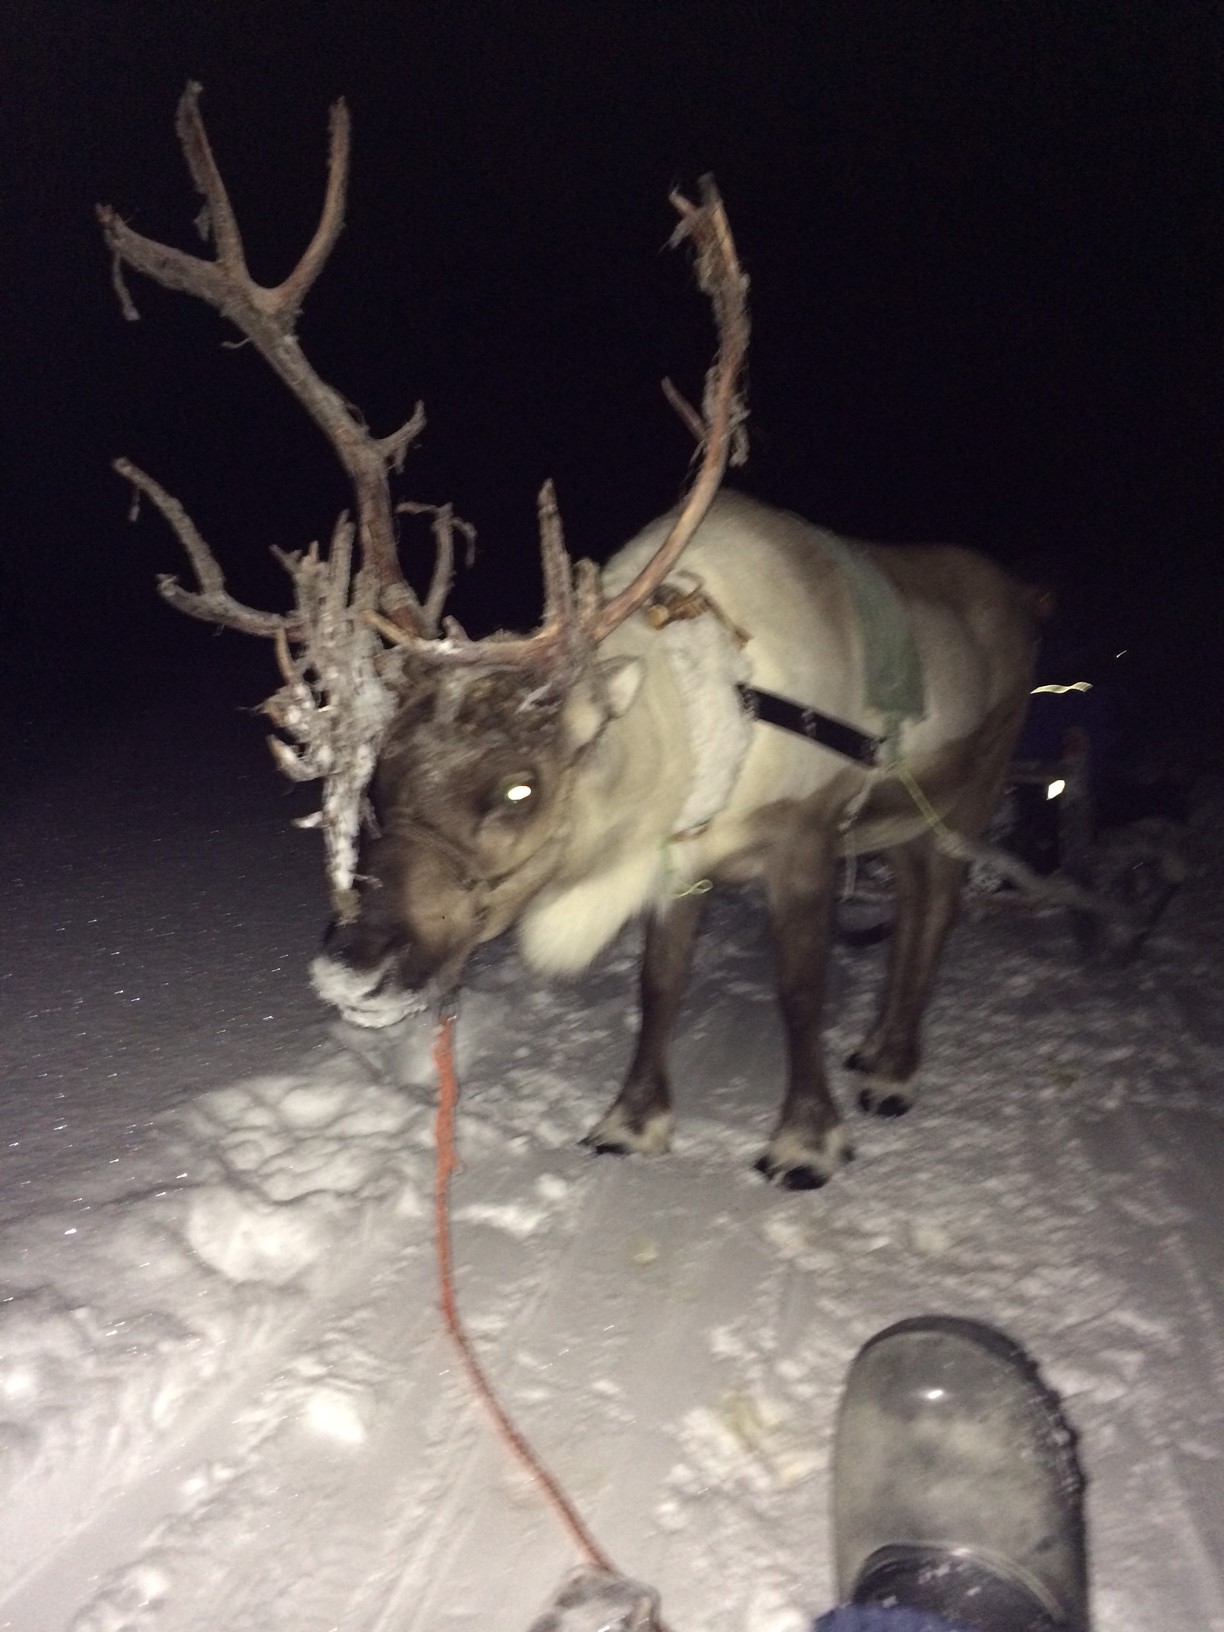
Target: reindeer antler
{"type": "Point", "coordinates": [720, 426]}
{"type": "Point", "coordinates": [575, 619]}
{"type": "Point", "coordinates": [335, 701]}
{"type": "Point", "coordinates": [267, 316]}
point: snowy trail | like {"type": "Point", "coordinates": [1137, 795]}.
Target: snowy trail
{"type": "Point", "coordinates": [226, 1400]}
{"type": "Point", "coordinates": [672, 1336]}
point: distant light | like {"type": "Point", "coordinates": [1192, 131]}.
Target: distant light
{"type": "Point", "coordinates": [1122, 653]}
{"type": "Point", "coordinates": [520, 790]}
{"type": "Point", "coordinates": [1059, 691]}
{"type": "Point", "coordinates": [1055, 788]}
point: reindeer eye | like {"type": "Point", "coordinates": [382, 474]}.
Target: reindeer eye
{"type": "Point", "coordinates": [515, 792]}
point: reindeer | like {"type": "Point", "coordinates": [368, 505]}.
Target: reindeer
{"type": "Point", "coordinates": [708, 710]}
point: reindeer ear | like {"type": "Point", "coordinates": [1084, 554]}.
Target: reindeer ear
{"type": "Point", "coordinates": [622, 679]}
{"type": "Point", "coordinates": [600, 697]}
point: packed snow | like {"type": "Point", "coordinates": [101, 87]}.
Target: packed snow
{"type": "Point", "coordinates": [227, 1401]}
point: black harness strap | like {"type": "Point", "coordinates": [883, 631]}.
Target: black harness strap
{"type": "Point", "coordinates": [811, 723]}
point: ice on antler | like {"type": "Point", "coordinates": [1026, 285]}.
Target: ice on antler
{"type": "Point", "coordinates": [335, 704]}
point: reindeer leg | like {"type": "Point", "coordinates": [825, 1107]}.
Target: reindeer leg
{"type": "Point", "coordinates": [640, 1117]}
{"type": "Point", "coordinates": [809, 1143]}
{"type": "Point", "coordinates": [928, 884]}
{"type": "Point", "coordinates": [928, 895]}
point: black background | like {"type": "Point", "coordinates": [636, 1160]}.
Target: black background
{"type": "Point", "coordinates": [983, 242]}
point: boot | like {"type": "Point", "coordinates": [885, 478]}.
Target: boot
{"type": "Point", "coordinates": [956, 1489]}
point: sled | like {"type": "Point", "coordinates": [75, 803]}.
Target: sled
{"type": "Point", "coordinates": [1050, 847]}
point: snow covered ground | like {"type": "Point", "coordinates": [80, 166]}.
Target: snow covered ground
{"type": "Point", "coordinates": [226, 1400]}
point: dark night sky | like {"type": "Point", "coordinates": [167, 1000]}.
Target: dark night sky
{"type": "Point", "coordinates": [982, 239]}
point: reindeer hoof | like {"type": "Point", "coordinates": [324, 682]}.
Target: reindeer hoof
{"type": "Point", "coordinates": [616, 1135]}
{"type": "Point", "coordinates": [883, 1101]}
{"type": "Point", "coordinates": [790, 1178]}
{"type": "Point", "coordinates": [793, 1162]}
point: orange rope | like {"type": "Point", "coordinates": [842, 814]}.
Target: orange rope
{"type": "Point", "coordinates": [444, 1060]}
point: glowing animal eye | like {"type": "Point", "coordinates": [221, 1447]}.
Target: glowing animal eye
{"type": "Point", "coordinates": [516, 790]}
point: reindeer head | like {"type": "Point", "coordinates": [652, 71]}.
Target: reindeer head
{"type": "Point", "coordinates": [446, 762]}
{"type": "Point", "coordinates": [470, 810]}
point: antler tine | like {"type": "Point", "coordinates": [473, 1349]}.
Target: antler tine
{"type": "Point", "coordinates": [685, 411]}
{"type": "Point", "coordinates": [562, 634]}
{"type": "Point", "coordinates": [721, 277]}
{"type": "Point", "coordinates": [561, 638]}
{"type": "Point", "coordinates": [267, 317]}
{"type": "Point", "coordinates": [292, 291]}
{"type": "Point", "coordinates": [557, 571]}
{"type": "Point", "coordinates": [212, 602]}
{"type": "Point", "coordinates": [445, 524]}
{"type": "Point", "coordinates": [286, 298]}
{"type": "Point", "coordinates": [222, 223]}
